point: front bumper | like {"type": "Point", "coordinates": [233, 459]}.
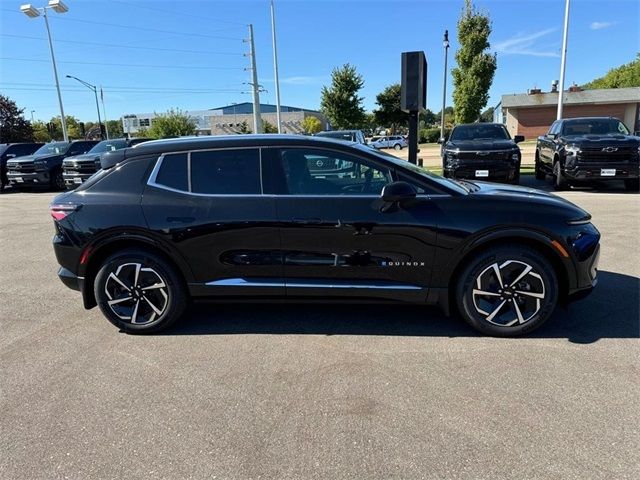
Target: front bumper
{"type": "Point", "coordinates": [594, 171]}
{"type": "Point", "coordinates": [501, 171]}
{"type": "Point", "coordinates": [18, 179]}
{"type": "Point", "coordinates": [73, 179]}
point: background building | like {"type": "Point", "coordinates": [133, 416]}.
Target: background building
{"type": "Point", "coordinates": [530, 114]}
{"type": "Point", "coordinates": [230, 119]}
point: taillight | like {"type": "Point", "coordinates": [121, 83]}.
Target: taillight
{"type": "Point", "coordinates": [60, 211]}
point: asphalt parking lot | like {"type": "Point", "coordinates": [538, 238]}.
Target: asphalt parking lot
{"type": "Point", "coordinates": [292, 391]}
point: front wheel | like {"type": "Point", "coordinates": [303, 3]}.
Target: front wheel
{"type": "Point", "coordinates": [139, 292]}
{"type": "Point", "coordinates": [540, 175]}
{"type": "Point", "coordinates": [632, 185]}
{"type": "Point", "coordinates": [507, 291]}
{"type": "Point", "coordinates": [559, 182]}
{"type": "Point", "coordinates": [57, 180]}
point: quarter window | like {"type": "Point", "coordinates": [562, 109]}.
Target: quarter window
{"type": "Point", "coordinates": [323, 172]}
{"type": "Point", "coordinates": [173, 172]}
{"type": "Point", "coordinates": [234, 172]}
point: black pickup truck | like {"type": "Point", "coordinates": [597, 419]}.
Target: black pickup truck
{"type": "Point", "coordinates": [78, 168]}
{"type": "Point", "coordinates": [44, 167]}
{"type": "Point", "coordinates": [583, 150]}
{"type": "Point", "coordinates": [482, 151]}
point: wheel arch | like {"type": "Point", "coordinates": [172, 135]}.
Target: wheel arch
{"type": "Point", "coordinates": [105, 249]}
{"type": "Point", "coordinates": [535, 241]}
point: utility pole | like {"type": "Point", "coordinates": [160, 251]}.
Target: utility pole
{"type": "Point", "coordinates": [563, 62]}
{"type": "Point", "coordinates": [257, 119]}
{"type": "Point", "coordinates": [445, 44]}
{"type": "Point", "coordinates": [275, 65]}
{"type": "Point", "coordinates": [104, 110]}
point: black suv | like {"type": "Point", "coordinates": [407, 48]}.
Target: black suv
{"type": "Point", "coordinates": [581, 150]}
{"type": "Point", "coordinates": [79, 168]}
{"type": "Point", "coordinates": [13, 150]}
{"type": "Point", "coordinates": [230, 218]}
{"type": "Point", "coordinates": [482, 150]}
{"type": "Point", "coordinates": [44, 167]}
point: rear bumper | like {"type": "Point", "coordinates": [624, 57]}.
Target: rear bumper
{"type": "Point", "coordinates": [32, 178]}
{"type": "Point", "coordinates": [70, 279]}
{"type": "Point", "coordinates": [593, 171]}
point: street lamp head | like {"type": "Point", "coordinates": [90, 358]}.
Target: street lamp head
{"type": "Point", "coordinates": [446, 39]}
{"type": "Point", "coordinates": [29, 10]}
{"type": "Point", "coordinates": [58, 6]}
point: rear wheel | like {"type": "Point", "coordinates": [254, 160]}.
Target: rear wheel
{"type": "Point", "coordinates": [632, 185]}
{"type": "Point", "coordinates": [507, 291]}
{"type": "Point", "coordinates": [397, 146]}
{"type": "Point", "coordinates": [139, 292]}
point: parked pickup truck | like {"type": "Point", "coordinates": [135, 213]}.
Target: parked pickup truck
{"type": "Point", "coordinates": [79, 168]}
{"type": "Point", "coordinates": [44, 167]}
{"type": "Point", "coordinates": [582, 150]}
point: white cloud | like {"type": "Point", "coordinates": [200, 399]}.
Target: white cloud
{"type": "Point", "coordinates": [601, 25]}
{"type": "Point", "coordinates": [525, 44]}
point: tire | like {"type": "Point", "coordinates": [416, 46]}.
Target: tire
{"type": "Point", "coordinates": [57, 180]}
{"type": "Point", "coordinates": [632, 185]}
{"type": "Point", "coordinates": [516, 178]}
{"type": "Point", "coordinates": [512, 311]}
{"type": "Point", "coordinates": [397, 146]}
{"type": "Point", "coordinates": [540, 175]}
{"type": "Point", "coordinates": [559, 182]}
{"type": "Point", "coordinates": [148, 310]}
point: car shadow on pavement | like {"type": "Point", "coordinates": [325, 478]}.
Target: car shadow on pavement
{"type": "Point", "coordinates": [611, 311]}
{"type": "Point", "coordinates": [616, 186]}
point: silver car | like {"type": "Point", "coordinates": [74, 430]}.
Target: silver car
{"type": "Point", "coordinates": [396, 142]}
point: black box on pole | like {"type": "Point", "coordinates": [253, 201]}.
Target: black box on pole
{"type": "Point", "coordinates": [414, 82]}
{"type": "Point", "coordinates": [413, 95]}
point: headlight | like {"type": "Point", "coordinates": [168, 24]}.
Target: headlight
{"type": "Point", "coordinates": [571, 151]}
{"type": "Point", "coordinates": [450, 156]}
{"type": "Point", "coordinates": [515, 156]}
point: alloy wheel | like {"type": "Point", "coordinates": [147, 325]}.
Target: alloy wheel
{"type": "Point", "coordinates": [136, 294]}
{"type": "Point", "coordinates": [508, 294]}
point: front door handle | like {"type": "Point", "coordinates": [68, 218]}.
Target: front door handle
{"type": "Point", "coordinates": [307, 221]}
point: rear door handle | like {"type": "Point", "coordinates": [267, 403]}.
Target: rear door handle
{"type": "Point", "coordinates": [307, 221]}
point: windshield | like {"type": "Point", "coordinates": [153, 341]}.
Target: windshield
{"type": "Point", "coordinates": [108, 146]}
{"type": "Point", "coordinates": [594, 126]}
{"type": "Point", "coordinates": [55, 148]}
{"type": "Point", "coordinates": [479, 131]}
{"type": "Point", "coordinates": [451, 184]}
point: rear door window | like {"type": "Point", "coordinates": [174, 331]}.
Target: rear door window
{"type": "Point", "coordinates": [230, 172]}
{"type": "Point", "coordinates": [173, 172]}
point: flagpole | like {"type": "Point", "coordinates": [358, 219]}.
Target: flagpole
{"type": "Point", "coordinates": [563, 62]}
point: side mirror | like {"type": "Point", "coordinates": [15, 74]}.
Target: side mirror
{"type": "Point", "coordinates": [398, 192]}
{"type": "Point", "coordinates": [518, 138]}
{"type": "Point", "coordinates": [441, 140]}
{"type": "Point", "coordinates": [551, 136]}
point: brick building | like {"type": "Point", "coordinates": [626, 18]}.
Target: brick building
{"type": "Point", "coordinates": [530, 114]}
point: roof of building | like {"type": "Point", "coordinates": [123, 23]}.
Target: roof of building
{"type": "Point", "coordinates": [247, 107]}
{"type": "Point", "coordinates": [604, 95]}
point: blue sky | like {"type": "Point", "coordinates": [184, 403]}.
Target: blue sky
{"type": "Point", "coordinates": [202, 43]}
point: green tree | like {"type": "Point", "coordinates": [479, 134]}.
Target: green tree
{"type": "Point", "coordinates": [389, 113]}
{"type": "Point", "coordinates": [473, 76]}
{"type": "Point", "coordinates": [40, 132]}
{"type": "Point", "coordinates": [487, 115]}
{"type": "Point", "coordinates": [311, 125]}
{"type": "Point", "coordinates": [13, 126]}
{"type": "Point", "coordinates": [115, 129]}
{"type": "Point", "coordinates": [173, 123]}
{"type": "Point", "coordinates": [449, 117]}
{"type": "Point", "coordinates": [627, 75]}
{"type": "Point", "coordinates": [73, 128]}
{"type": "Point", "coordinates": [427, 118]}
{"type": "Point", "coordinates": [340, 102]}
{"type": "Point", "coordinates": [244, 128]}
{"type": "Point", "coordinates": [268, 127]}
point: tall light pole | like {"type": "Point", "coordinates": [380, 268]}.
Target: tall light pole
{"type": "Point", "coordinates": [33, 12]}
{"type": "Point", "coordinates": [95, 92]}
{"type": "Point", "coordinates": [104, 110]}
{"type": "Point", "coordinates": [32, 112]}
{"type": "Point", "coordinates": [275, 65]}
{"type": "Point", "coordinates": [445, 44]}
{"type": "Point", "coordinates": [563, 62]}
